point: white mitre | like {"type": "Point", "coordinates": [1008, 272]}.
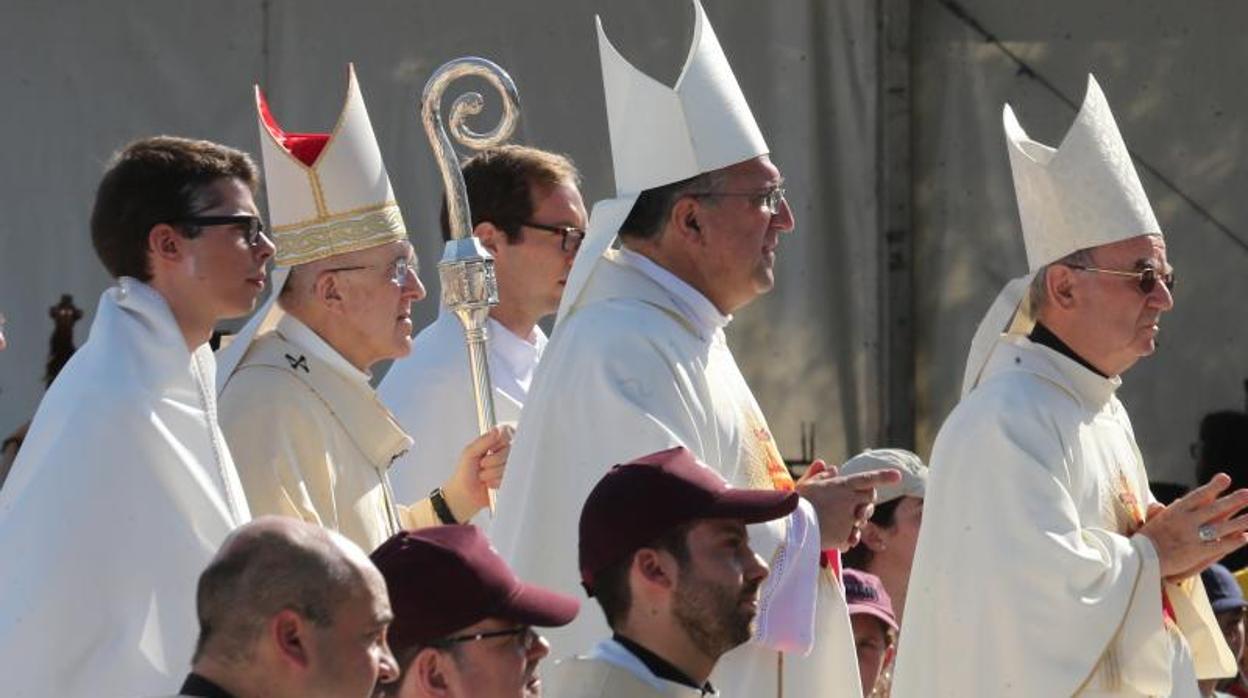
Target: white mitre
{"type": "Point", "coordinates": [1084, 194]}
{"type": "Point", "coordinates": [661, 134]}
{"type": "Point", "coordinates": [328, 194]}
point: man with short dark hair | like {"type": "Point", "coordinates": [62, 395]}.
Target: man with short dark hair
{"type": "Point", "coordinates": [678, 584]}
{"type": "Point", "coordinates": [463, 625]}
{"type": "Point", "coordinates": [640, 362]}
{"type": "Point", "coordinates": [124, 486]}
{"type": "Point", "coordinates": [528, 213]}
{"type": "Point", "coordinates": [288, 609]}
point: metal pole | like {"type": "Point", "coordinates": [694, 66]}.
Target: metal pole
{"type": "Point", "coordinates": [469, 288]}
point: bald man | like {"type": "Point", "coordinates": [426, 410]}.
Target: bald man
{"type": "Point", "coordinates": [287, 608]}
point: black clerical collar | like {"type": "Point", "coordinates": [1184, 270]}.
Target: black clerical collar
{"type": "Point", "coordinates": [196, 685]}
{"type": "Point", "coordinates": [1044, 336]}
{"type": "Point", "coordinates": [662, 668]}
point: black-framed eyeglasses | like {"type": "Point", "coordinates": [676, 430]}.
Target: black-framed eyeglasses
{"type": "Point", "coordinates": [251, 227]}
{"type": "Point", "coordinates": [526, 634]}
{"type": "Point", "coordinates": [1147, 277]}
{"type": "Point", "coordinates": [571, 235]}
{"type": "Point", "coordinates": [770, 199]}
{"type": "Point", "coordinates": [396, 271]}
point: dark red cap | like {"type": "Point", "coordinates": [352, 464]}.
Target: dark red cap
{"type": "Point", "coordinates": [636, 503]}
{"type": "Point", "coordinates": [864, 593]}
{"type": "Point", "coordinates": [445, 578]}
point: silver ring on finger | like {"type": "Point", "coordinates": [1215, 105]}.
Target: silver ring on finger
{"type": "Point", "coordinates": [1207, 533]}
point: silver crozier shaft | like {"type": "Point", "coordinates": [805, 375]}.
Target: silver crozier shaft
{"type": "Point", "coordinates": [466, 271]}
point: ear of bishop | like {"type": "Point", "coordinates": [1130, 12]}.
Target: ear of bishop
{"type": "Point", "coordinates": [661, 134]}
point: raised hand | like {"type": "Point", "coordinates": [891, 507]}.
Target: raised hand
{"type": "Point", "coordinates": [843, 503]}
{"type": "Point", "coordinates": [1198, 529]}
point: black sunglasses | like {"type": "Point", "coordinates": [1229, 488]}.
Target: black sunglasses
{"type": "Point", "coordinates": [251, 226]}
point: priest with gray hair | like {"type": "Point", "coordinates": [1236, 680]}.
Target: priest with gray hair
{"type": "Point", "coordinates": [1044, 565]}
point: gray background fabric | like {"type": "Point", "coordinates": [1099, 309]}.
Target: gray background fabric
{"type": "Point", "coordinates": [80, 79]}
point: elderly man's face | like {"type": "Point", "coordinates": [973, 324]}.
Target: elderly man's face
{"type": "Point", "coordinates": [352, 653]}
{"type": "Point", "coordinates": [377, 302]}
{"type": "Point", "coordinates": [739, 235]}
{"type": "Point", "coordinates": [1126, 319]}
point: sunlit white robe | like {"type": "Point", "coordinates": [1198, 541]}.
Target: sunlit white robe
{"type": "Point", "coordinates": [1028, 580]}
{"type": "Point", "coordinates": [641, 365]}
{"type": "Point", "coordinates": [120, 496]}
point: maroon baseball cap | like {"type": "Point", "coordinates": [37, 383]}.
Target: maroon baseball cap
{"type": "Point", "coordinates": [636, 503]}
{"type": "Point", "coordinates": [864, 593]}
{"type": "Point", "coordinates": [445, 578]}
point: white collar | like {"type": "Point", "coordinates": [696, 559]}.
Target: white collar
{"type": "Point", "coordinates": [520, 355]}
{"type": "Point", "coordinates": [299, 334]}
{"type": "Point", "coordinates": [697, 307]}
{"type": "Point", "coordinates": [612, 652]}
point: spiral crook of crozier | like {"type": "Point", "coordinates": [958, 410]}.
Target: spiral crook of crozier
{"type": "Point", "coordinates": [464, 107]}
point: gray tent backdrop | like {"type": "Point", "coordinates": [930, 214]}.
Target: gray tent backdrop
{"type": "Point", "coordinates": [891, 148]}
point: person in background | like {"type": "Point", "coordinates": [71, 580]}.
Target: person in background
{"type": "Point", "coordinates": [1228, 604]}
{"type": "Point", "coordinates": [875, 630]}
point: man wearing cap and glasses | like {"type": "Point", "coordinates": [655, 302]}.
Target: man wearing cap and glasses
{"type": "Point", "coordinates": [124, 486]}
{"type": "Point", "coordinates": [890, 536]}
{"type": "Point", "coordinates": [463, 622]}
{"type": "Point", "coordinates": [678, 586]}
{"type": "Point", "coordinates": [311, 437]}
{"type": "Point", "coordinates": [1044, 566]}
{"type": "Point", "coordinates": [527, 211]}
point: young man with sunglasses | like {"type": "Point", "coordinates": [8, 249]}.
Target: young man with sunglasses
{"type": "Point", "coordinates": [1044, 565]}
{"type": "Point", "coordinates": [528, 213]}
{"type": "Point", "coordinates": [311, 438]}
{"type": "Point", "coordinates": [124, 486]}
{"type": "Point", "coordinates": [463, 622]}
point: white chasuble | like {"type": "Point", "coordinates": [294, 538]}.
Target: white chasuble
{"type": "Point", "coordinates": [429, 392]}
{"type": "Point", "coordinates": [640, 365]}
{"type": "Point", "coordinates": [120, 496]}
{"type": "Point", "coordinates": [1029, 579]}
{"type": "Point", "coordinates": [312, 440]}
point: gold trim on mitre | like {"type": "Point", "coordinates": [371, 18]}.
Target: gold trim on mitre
{"type": "Point", "coordinates": [342, 202]}
{"type": "Point", "coordinates": [339, 234]}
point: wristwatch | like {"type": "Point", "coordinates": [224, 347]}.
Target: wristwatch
{"type": "Point", "coordinates": [443, 510]}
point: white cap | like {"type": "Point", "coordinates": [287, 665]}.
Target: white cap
{"type": "Point", "coordinates": [661, 134]}
{"type": "Point", "coordinates": [328, 194]}
{"type": "Point", "coordinates": [913, 472]}
{"type": "Point", "coordinates": [1083, 194]}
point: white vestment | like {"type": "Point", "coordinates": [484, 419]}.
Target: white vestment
{"type": "Point", "coordinates": [121, 494]}
{"type": "Point", "coordinates": [1029, 579]}
{"type": "Point", "coordinates": [312, 440]}
{"type": "Point", "coordinates": [609, 670]}
{"type": "Point", "coordinates": [429, 392]}
{"type": "Point", "coordinates": [639, 365]}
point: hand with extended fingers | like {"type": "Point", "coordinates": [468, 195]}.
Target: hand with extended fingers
{"type": "Point", "coordinates": [843, 503]}
{"type": "Point", "coordinates": [1198, 529]}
